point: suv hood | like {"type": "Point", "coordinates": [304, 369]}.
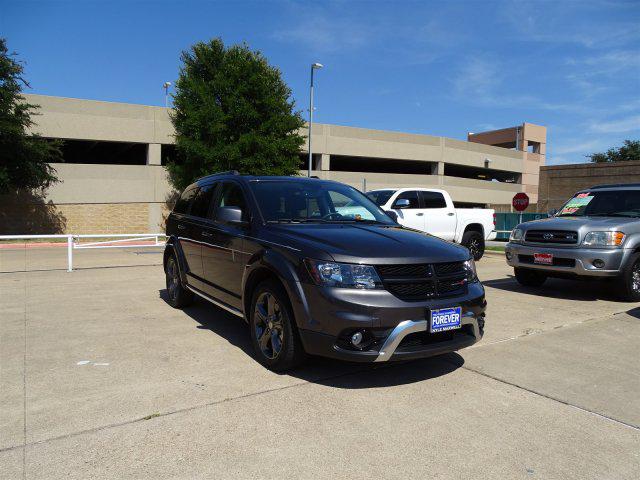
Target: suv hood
{"type": "Point", "coordinates": [367, 244]}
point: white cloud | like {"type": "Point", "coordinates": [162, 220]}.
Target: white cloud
{"type": "Point", "coordinates": [623, 125]}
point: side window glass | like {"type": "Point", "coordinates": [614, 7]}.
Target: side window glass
{"type": "Point", "coordinates": [231, 196]}
{"type": "Point", "coordinates": [183, 203]}
{"type": "Point", "coordinates": [202, 201]}
{"type": "Point", "coordinates": [433, 200]}
{"type": "Point", "coordinates": [412, 196]}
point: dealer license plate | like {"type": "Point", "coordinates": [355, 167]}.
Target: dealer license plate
{"type": "Point", "coordinates": [445, 319]}
{"type": "Point", "coordinates": [543, 258]}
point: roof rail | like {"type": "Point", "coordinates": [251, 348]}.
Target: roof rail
{"type": "Point", "coordinates": [614, 185]}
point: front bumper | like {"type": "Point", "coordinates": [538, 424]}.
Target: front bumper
{"type": "Point", "coordinates": [570, 260]}
{"type": "Point", "coordinates": [401, 327]}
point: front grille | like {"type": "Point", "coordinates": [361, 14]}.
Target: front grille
{"type": "Point", "coordinates": [557, 262]}
{"type": "Point", "coordinates": [424, 281]}
{"type": "Point", "coordinates": [563, 237]}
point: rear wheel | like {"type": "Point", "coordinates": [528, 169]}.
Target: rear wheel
{"type": "Point", "coordinates": [529, 278]}
{"type": "Point", "coordinates": [273, 332]}
{"type": "Point", "coordinates": [629, 282]}
{"type": "Point", "coordinates": [178, 295]}
{"type": "Point", "coordinates": [474, 241]}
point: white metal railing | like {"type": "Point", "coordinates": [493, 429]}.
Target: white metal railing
{"type": "Point", "coordinates": [74, 241]}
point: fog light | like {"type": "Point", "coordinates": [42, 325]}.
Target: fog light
{"type": "Point", "coordinates": [598, 263]}
{"type": "Point", "coordinates": [356, 339]}
{"type": "Point", "coordinates": [509, 255]}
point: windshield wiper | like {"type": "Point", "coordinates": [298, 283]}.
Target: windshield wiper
{"type": "Point", "coordinates": [297, 220]}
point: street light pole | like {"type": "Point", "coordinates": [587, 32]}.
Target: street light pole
{"type": "Point", "coordinates": [166, 86]}
{"type": "Point", "coordinates": [314, 66]}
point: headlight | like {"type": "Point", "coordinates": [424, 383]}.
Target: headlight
{"type": "Point", "coordinates": [516, 235]}
{"type": "Point", "coordinates": [603, 239]}
{"type": "Point", "coordinates": [470, 267]}
{"type": "Point", "coordinates": [345, 275]}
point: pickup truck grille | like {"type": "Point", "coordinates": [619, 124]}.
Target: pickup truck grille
{"type": "Point", "coordinates": [563, 237]}
{"type": "Point", "coordinates": [424, 281]}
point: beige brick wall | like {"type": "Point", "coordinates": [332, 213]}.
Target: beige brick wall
{"type": "Point", "coordinates": [559, 182]}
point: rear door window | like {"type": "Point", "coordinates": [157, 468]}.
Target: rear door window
{"type": "Point", "coordinates": [433, 200]}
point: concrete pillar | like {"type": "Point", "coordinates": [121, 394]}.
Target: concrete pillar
{"type": "Point", "coordinates": [440, 168]}
{"type": "Point", "coordinates": [325, 162]}
{"type": "Point", "coordinates": [154, 154]}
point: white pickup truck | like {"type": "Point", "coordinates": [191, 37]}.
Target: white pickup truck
{"type": "Point", "coordinates": [432, 211]}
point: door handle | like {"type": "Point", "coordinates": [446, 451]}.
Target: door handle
{"type": "Point", "coordinates": [419, 214]}
{"type": "Point", "coordinates": [450, 214]}
{"type": "Point", "coordinates": [181, 227]}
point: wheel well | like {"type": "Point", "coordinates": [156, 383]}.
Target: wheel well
{"type": "Point", "coordinates": [255, 277]}
{"type": "Point", "coordinates": [474, 227]}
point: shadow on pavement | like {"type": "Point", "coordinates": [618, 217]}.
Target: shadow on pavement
{"type": "Point", "coordinates": [634, 312]}
{"type": "Point", "coordinates": [579, 290]}
{"type": "Point", "coordinates": [324, 371]}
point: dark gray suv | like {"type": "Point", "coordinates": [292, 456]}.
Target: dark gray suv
{"type": "Point", "coordinates": [316, 268]}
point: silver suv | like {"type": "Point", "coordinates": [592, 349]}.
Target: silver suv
{"type": "Point", "coordinates": [596, 234]}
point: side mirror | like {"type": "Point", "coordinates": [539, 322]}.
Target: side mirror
{"type": "Point", "coordinates": [392, 214]}
{"type": "Point", "coordinates": [231, 215]}
{"type": "Point", "coordinates": [553, 212]}
{"type": "Point", "coordinates": [402, 203]}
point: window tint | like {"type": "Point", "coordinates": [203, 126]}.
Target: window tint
{"type": "Point", "coordinates": [182, 205]}
{"type": "Point", "coordinates": [380, 197]}
{"type": "Point", "coordinates": [433, 200]}
{"type": "Point", "coordinates": [202, 200]}
{"type": "Point", "coordinates": [412, 196]}
{"type": "Point", "coordinates": [231, 196]}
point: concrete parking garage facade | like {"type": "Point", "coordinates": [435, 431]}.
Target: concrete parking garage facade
{"type": "Point", "coordinates": [114, 179]}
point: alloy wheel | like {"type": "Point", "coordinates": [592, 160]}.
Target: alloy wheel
{"type": "Point", "coordinates": [474, 247]}
{"type": "Point", "coordinates": [268, 325]}
{"type": "Point", "coordinates": [635, 277]}
{"type": "Point", "coordinates": [173, 279]}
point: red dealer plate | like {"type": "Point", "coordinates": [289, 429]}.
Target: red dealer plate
{"type": "Point", "coordinates": [543, 258]}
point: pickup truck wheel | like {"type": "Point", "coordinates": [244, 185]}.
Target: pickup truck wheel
{"type": "Point", "coordinates": [529, 278]}
{"type": "Point", "coordinates": [629, 282]}
{"type": "Point", "coordinates": [474, 241]}
{"type": "Point", "coordinates": [178, 295]}
{"type": "Point", "coordinates": [273, 331]}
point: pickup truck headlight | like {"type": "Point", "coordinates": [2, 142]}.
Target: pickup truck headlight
{"type": "Point", "coordinates": [516, 235]}
{"type": "Point", "coordinates": [470, 268]}
{"type": "Point", "coordinates": [603, 239]}
{"type": "Point", "coordinates": [345, 275]}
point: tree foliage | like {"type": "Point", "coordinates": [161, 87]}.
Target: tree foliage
{"type": "Point", "coordinates": [232, 111]}
{"type": "Point", "coordinates": [627, 152]}
{"type": "Point", "coordinates": [24, 157]}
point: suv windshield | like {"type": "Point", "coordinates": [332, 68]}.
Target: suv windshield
{"type": "Point", "coordinates": [612, 203]}
{"type": "Point", "coordinates": [380, 197]}
{"type": "Point", "coordinates": [317, 201]}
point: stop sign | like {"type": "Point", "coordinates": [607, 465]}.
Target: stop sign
{"type": "Point", "coordinates": [520, 201]}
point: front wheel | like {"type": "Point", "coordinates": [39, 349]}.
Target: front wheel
{"type": "Point", "coordinates": [474, 241]}
{"type": "Point", "coordinates": [629, 282]}
{"type": "Point", "coordinates": [529, 278]}
{"type": "Point", "coordinates": [273, 332]}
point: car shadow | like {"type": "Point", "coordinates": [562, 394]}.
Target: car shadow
{"type": "Point", "coordinates": [319, 370]}
{"type": "Point", "coordinates": [634, 312]}
{"type": "Point", "coordinates": [556, 288]}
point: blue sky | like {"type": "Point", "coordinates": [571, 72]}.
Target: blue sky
{"type": "Point", "coordinates": [440, 68]}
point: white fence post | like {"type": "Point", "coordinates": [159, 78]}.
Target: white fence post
{"type": "Point", "coordinates": [69, 253]}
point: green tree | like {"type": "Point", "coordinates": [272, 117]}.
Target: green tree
{"type": "Point", "coordinates": [232, 111]}
{"type": "Point", "coordinates": [24, 156]}
{"type": "Point", "coordinates": [627, 152]}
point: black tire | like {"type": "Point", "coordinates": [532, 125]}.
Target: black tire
{"type": "Point", "coordinates": [628, 285]}
{"type": "Point", "coordinates": [529, 278]}
{"type": "Point", "coordinates": [474, 241]}
{"type": "Point", "coordinates": [178, 296]}
{"type": "Point", "coordinates": [274, 335]}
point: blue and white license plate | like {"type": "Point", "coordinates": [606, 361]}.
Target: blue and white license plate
{"type": "Point", "coordinates": [445, 319]}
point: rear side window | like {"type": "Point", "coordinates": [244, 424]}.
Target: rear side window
{"type": "Point", "coordinates": [433, 200]}
{"type": "Point", "coordinates": [202, 201]}
{"type": "Point", "coordinates": [412, 196]}
{"type": "Point", "coordinates": [184, 202]}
